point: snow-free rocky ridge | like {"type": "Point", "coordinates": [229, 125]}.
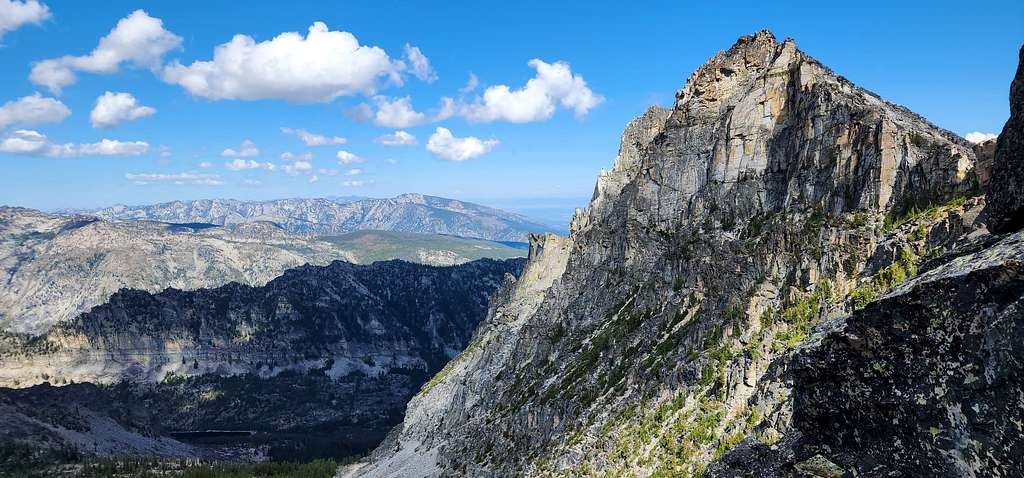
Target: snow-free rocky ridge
{"type": "Point", "coordinates": [405, 213]}
{"type": "Point", "coordinates": [55, 267]}
{"type": "Point", "coordinates": [775, 211]}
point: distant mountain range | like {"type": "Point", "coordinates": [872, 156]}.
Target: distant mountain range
{"type": "Point", "coordinates": [406, 213]}
{"type": "Point", "coordinates": [320, 357]}
{"type": "Point", "coordinates": [55, 267]}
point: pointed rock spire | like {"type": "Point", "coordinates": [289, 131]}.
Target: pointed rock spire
{"type": "Point", "coordinates": [1005, 198]}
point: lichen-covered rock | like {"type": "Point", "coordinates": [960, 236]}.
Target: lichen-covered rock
{"type": "Point", "coordinates": [926, 381]}
{"type": "Point", "coordinates": [1006, 192]}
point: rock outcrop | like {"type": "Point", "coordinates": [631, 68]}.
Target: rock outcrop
{"type": "Point", "coordinates": [985, 152]}
{"type": "Point", "coordinates": [772, 200]}
{"type": "Point", "coordinates": [1005, 198]}
{"type": "Point", "coordinates": [925, 381]}
{"type": "Point", "coordinates": [415, 213]}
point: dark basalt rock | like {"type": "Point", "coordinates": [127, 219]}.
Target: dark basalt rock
{"type": "Point", "coordinates": [912, 386]}
{"type": "Point", "coordinates": [1005, 197]}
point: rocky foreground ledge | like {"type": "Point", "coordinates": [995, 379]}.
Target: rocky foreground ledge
{"type": "Point", "coordinates": [925, 381]}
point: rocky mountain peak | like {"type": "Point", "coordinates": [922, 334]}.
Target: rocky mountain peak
{"type": "Point", "coordinates": [411, 198]}
{"type": "Point", "coordinates": [718, 78]}
{"type": "Point", "coordinates": [771, 193]}
{"type": "Point", "coordinates": [763, 127]}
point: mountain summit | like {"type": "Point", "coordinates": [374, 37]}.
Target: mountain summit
{"type": "Point", "coordinates": [774, 199]}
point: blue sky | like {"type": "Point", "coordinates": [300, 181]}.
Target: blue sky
{"type": "Point", "coordinates": [539, 149]}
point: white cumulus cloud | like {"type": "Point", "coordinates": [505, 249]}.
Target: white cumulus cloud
{"type": "Point", "coordinates": [352, 184]}
{"type": "Point", "coordinates": [247, 149]}
{"type": "Point", "coordinates": [979, 137]}
{"type": "Point", "coordinates": [113, 109]}
{"type": "Point", "coordinates": [205, 164]}
{"type": "Point", "coordinates": [138, 40]}
{"type": "Point", "coordinates": [25, 142]}
{"type": "Point", "coordinates": [314, 179]}
{"type": "Point", "coordinates": [471, 84]}
{"type": "Point", "coordinates": [354, 172]}
{"type": "Point", "coordinates": [345, 157]}
{"type": "Point", "coordinates": [240, 164]}
{"type": "Point", "coordinates": [312, 139]}
{"type": "Point", "coordinates": [32, 110]}
{"type": "Point", "coordinates": [29, 142]}
{"type": "Point", "coordinates": [14, 14]}
{"type": "Point", "coordinates": [398, 138]}
{"type": "Point", "coordinates": [420, 64]}
{"type": "Point", "coordinates": [445, 145]}
{"type": "Point", "coordinates": [297, 167]}
{"type": "Point", "coordinates": [200, 179]}
{"type": "Point", "coordinates": [554, 85]}
{"type": "Point", "coordinates": [289, 156]}
{"type": "Point", "coordinates": [397, 113]}
{"type": "Point", "coordinates": [319, 67]}
{"type": "Point", "coordinates": [113, 147]}
{"type": "Point", "coordinates": [448, 109]}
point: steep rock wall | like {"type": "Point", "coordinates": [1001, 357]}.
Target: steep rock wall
{"type": "Point", "coordinates": [775, 195]}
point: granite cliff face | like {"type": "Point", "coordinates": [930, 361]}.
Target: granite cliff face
{"type": "Point", "coordinates": [927, 380]}
{"type": "Point", "coordinates": [774, 199]}
{"type": "Point", "coordinates": [1006, 204]}
{"type": "Point", "coordinates": [406, 213]}
{"type": "Point", "coordinates": [349, 343]}
{"type": "Point", "coordinates": [54, 267]}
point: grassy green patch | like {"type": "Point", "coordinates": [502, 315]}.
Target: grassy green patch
{"type": "Point", "coordinates": [914, 213]}
{"type": "Point", "coordinates": [891, 276]}
{"type": "Point", "coordinates": [620, 321]}
{"type": "Point", "coordinates": [798, 316]}
{"type": "Point", "coordinates": [371, 246]}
